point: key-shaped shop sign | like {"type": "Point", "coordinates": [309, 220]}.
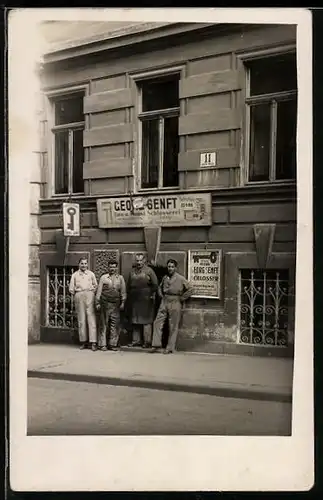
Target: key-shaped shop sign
{"type": "Point", "coordinates": [71, 219]}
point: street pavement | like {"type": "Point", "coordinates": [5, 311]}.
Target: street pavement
{"type": "Point", "coordinates": [258, 378]}
{"type": "Point", "coordinates": [60, 407]}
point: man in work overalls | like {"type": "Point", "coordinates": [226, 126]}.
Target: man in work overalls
{"type": "Point", "coordinates": [110, 298]}
{"type": "Point", "coordinates": [82, 287]}
{"type": "Point", "coordinates": [174, 290]}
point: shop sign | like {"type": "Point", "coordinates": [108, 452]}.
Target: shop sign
{"type": "Point", "coordinates": [71, 219]}
{"type": "Point", "coordinates": [204, 273]}
{"type": "Point", "coordinates": [159, 210]}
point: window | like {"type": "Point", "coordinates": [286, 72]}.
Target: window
{"type": "Point", "coordinates": [272, 117]}
{"type": "Point", "coordinates": [159, 132]}
{"type": "Point", "coordinates": [264, 298]}
{"type": "Point", "coordinates": [60, 305]}
{"type": "Point", "coordinates": [68, 144]}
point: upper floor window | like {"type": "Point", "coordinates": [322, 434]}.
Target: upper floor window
{"type": "Point", "coordinates": [68, 144]}
{"type": "Point", "coordinates": [159, 131]}
{"type": "Point", "coordinates": [272, 118]}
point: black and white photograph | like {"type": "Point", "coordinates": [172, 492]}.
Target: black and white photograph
{"type": "Point", "coordinates": [167, 266]}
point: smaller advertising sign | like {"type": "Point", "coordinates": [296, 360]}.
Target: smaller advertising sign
{"type": "Point", "coordinates": [204, 272]}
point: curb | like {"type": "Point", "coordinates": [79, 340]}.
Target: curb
{"type": "Point", "coordinates": [222, 391]}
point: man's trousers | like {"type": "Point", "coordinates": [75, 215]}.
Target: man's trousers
{"type": "Point", "coordinates": [139, 331]}
{"type": "Point", "coordinates": [85, 310]}
{"type": "Point", "coordinates": [110, 329]}
{"type": "Point", "coordinates": [171, 308]}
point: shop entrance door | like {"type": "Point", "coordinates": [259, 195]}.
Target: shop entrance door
{"type": "Point", "coordinates": [160, 272]}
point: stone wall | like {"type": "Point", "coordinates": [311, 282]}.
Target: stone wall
{"type": "Point", "coordinates": [63, 33]}
{"type": "Point", "coordinates": [34, 277]}
{"type": "Point", "coordinates": [35, 193]}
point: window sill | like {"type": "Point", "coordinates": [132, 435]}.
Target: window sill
{"type": "Point", "coordinates": [66, 196]}
{"type": "Point", "coordinates": [247, 193]}
{"type": "Point", "coordinates": [157, 190]}
{"type": "Point", "coordinates": [271, 183]}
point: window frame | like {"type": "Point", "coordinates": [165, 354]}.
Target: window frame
{"type": "Point", "coordinates": [161, 114]}
{"type": "Point", "coordinates": [290, 297]}
{"type": "Point", "coordinates": [248, 101]}
{"type": "Point", "coordinates": [46, 319]}
{"type": "Point", "coordinates": [234, 262]}
{"type": "Point", "coordinates": [52, 258]}
{"type": "Point", "coordinates": [51, 97]}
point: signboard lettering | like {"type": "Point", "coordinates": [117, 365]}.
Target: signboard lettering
{"type": "Point", "coordinates": [204, 272]}
{"type": "Point", "coordinates": [168, 210]}
{"type": "Point", "coordinates": [71, 219]}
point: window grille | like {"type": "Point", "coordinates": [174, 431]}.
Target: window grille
{"type": "Point", "coordinates": [60, 304]}
{"type": "Point", "coordinates": [264, 306]}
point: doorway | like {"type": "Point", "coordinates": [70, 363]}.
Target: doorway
{"type": "Point", "coordinates": [160, 272]}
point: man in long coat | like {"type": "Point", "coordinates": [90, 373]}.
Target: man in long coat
{"type": "Point", "coordinates": [142, 286]}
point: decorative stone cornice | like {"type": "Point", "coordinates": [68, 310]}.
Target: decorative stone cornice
{"type": "Point", "coordinates": [125, 37]}
{"type": "Point", "coordinates": [275, 193]}
{"type": "Point", "coordinates": [100, 37]}
{"type": "Point", "coordinates": [33, 280]}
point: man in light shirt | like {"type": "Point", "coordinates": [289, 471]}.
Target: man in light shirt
{"type": "Point", "coordinates": [110, 298]}
{"type": "Point", "coordinates": [83, 286]}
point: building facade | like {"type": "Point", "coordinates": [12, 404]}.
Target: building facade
{"type": "Point", "coordinates": [178, 140]}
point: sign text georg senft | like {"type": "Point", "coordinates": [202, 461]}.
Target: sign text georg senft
{"type": "Point", "coordinates": [161, 210]}
{"type": "Point", "coordinates": [204, 272]}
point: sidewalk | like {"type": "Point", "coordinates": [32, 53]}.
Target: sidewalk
{"type": "Point", "coordinates": [222, 375]}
